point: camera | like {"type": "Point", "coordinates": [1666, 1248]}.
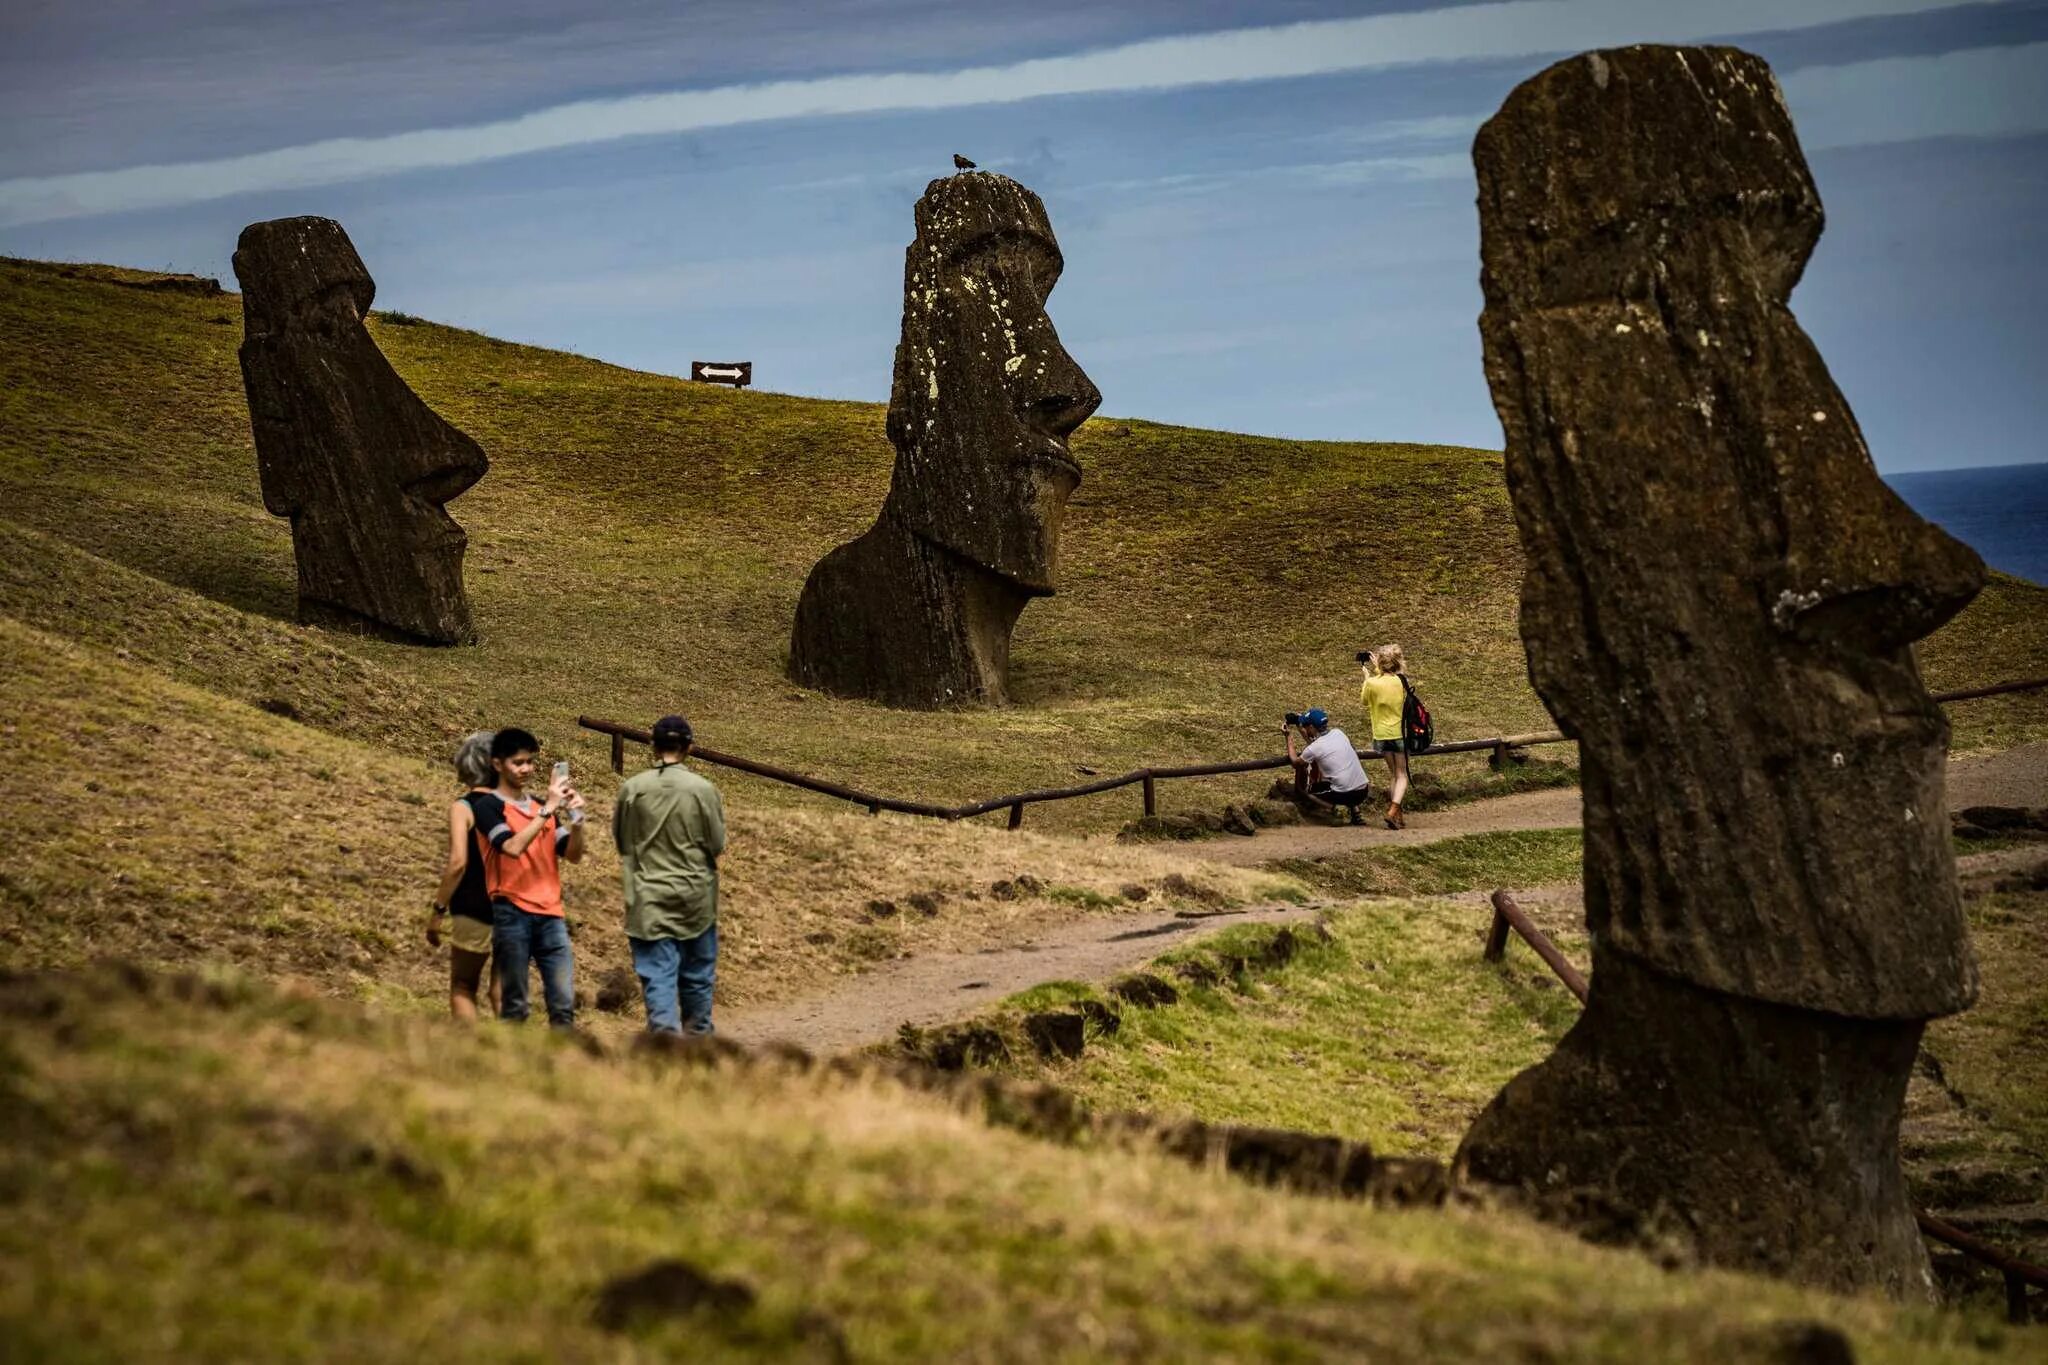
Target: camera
{"type": "Point", "coordinates": [1291, 718]}
{"type": "Point", "coordinates": [1364, 655]}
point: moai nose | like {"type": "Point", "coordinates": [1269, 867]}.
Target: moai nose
{"type": "Point", "coordinates": [1063, 397]}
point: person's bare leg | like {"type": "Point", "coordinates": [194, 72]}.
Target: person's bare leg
{"type": "Point", "coordinates": [464, 971]}
{"type": "Point", "coordinates": [1399, 763]}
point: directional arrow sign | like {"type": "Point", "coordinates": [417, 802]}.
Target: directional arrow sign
{"type": "Point", "coordinates": [738, 373]}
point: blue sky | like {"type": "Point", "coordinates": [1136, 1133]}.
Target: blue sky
{"type": "Point", "coordinates": [1266, 209]}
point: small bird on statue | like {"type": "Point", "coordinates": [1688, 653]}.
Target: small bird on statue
{"type": "Point", "coordinates": [961, 163]}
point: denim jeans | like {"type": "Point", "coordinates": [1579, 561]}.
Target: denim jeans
{"type": "Point", "coordinates": [519, 937]}
{"type": "Point", "coordinates": [675, 980]}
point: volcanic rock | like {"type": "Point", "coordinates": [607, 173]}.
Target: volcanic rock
{"type": "Point", "coordinates": [1719, 605]}
{"type": "Point", "coordinates": [918, 611]}
{"type": "Point", "coordinates": [361, 466]}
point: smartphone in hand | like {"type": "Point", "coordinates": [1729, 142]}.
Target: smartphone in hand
{"type": "Point", "coordinates": [562, 776]}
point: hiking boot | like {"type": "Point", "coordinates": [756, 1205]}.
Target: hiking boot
{"type": "Point", "coordinates": [1394, 820]}
{"type": "Point", "coordinates": [1357, 816]}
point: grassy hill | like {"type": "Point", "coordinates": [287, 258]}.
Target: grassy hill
{"type": "Point", "coordinates": [175, 827]}
{"type": "Point", "coordinates": [201, 1169]}
{"type": "Point", "coordinates": [225, 1166]}
{"type": "Point", "coordinates": [639, 544]}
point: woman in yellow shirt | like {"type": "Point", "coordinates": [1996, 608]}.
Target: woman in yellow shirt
{"type": "Point", "coordinates": [1383, 697]}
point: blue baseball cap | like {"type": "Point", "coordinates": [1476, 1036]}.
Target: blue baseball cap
{"type": "Point", "coordinates": [1316, 716]}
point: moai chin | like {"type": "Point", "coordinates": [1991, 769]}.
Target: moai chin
{"type": "Point", "coordinates": [918, 611]}
{"type": "Point", "coordinates": [1720, 603]}
{"type": "Point", "coordinates": [361, 466]}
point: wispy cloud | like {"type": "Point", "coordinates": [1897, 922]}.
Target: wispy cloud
{"type": "Point", "coordinates": [1980, 92]}
{"type": "Point", "coordinates": [1435, 128]}
{"type": "Point", "coordinates": [1977, 92]}
{"type": "Point", "coordinates": [1324, 47]}
{"type": "Point", "coordinates": [1377, 169]}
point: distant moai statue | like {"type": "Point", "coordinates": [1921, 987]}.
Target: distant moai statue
{"type": "Point", "coordinates": [347, 451]}
{"type": "Point", "coordinates": [1720, 603]}
{"type": "Point", "coordinates": [918, 611]}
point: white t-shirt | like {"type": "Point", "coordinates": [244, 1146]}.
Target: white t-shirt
{"type": "Point", "coordinates": [1336, 760]}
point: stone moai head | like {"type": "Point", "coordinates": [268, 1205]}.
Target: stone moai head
{"type": "Point", "coordinates": [985, 395]}
{"type": "Point", "coordinates": [344, 448]}
{"type": "Point", "coordinates": [1721, 594]}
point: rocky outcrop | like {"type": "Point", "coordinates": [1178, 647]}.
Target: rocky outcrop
{"type": "Point", "coordinates": [361, 466]}
{"type": "Point", "coordinates": [918, 611]}
{"type": "Point", "coordinates": [1720, 603]}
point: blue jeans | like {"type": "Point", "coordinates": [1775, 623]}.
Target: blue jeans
{"type": "Point", "coordinates": [675, 979]}
{"type": "Point", "coordinates": [519, 937]}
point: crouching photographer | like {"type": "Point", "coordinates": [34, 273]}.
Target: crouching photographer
{"type": "Point", "coordinates": [1335, 776]}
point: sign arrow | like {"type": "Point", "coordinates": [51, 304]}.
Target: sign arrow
{"type": "Point", "coordinates": [738, 373]}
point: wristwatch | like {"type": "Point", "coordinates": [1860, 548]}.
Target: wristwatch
{"type": "Point", "coordinates": [438, 909]}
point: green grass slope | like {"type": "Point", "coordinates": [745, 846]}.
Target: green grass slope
{"type": "Point", "coordinates": [201, 1170]}
{"type": "Point", "coordinates": [1394, 1032]}
{"type": "Point", "coordinates": [640, 542]}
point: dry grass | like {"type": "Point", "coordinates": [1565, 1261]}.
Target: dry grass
{"type": "Point", "coordinates": [280, 1179]}
{"type": "Point", "coordinates": [639, 544]}
{"type": "Point", "coordinates": [231, 1175]}
{"type": "Point", "coordinates": [172, 826]}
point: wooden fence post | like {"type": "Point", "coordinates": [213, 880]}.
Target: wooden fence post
{"type": "Point", "coordinates": [1496, 937]}
{"type": "Point", "coordinates": [1017, 815]}
{"type": "Point", "coordinates": [619, 754]}
{"type": "Point", "coordinates": [1151, 796]}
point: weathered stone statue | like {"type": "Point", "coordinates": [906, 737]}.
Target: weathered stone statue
{"type": "Point", "coordinates": [1720, 603]}
{"type": "Point", "coordinates": [348, 452]}
{"type": "Point", "coordinates": [918, 611]}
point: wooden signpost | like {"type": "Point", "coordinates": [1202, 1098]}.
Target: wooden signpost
{"type": "Point", "coordinates": [738, 373]}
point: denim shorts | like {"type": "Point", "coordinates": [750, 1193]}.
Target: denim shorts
{"type": "Point", "coordinates": [1390, 746]}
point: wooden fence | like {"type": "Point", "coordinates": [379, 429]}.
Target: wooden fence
{"type": "Point", "coordinates": [1497, 747]}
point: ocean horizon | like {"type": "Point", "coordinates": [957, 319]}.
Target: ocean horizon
{"type": "Point", "coordinates": [2000, 511]}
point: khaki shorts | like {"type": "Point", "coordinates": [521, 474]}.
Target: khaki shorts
{"type": "Point", "coordinates": [469, 935]}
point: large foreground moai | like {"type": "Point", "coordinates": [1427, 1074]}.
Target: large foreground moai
{"type": "Point", "coordinates": [348, 452]}
{"type": "Point", "coordinates": [918, 611]}
{"type": "Point", "coordinates": [1720, 603]}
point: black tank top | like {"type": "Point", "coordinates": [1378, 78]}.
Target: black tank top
{"type": "Point", "coordinates": [471, 900]}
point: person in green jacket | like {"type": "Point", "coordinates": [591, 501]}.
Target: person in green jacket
{"type": "Point", "coordinates": [669, 825]}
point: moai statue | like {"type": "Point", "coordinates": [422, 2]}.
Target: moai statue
{"type": "Point", "coordinates": [918, 611]}
{"type": "Point", "coordinates": [1720, 604]}
{"type": "Point", "coordinates": [348, 452]}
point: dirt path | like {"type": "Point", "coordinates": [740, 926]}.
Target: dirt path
{"type": "Point", "coordinates": [2014, 777]}
{"type": "Point", "coordinates": [932, 990]}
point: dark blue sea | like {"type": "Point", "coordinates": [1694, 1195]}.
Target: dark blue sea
{"type": "Point", "coordinates": [2001, 512]}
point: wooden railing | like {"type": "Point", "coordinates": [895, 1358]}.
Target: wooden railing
{"type": "Point", "coordinates": [1149, 778]}
{"type": "Point", "coordinates": [2018, 1274]}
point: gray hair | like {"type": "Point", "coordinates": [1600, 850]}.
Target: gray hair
{"type": "Point", "coordinates": [473, 760]}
